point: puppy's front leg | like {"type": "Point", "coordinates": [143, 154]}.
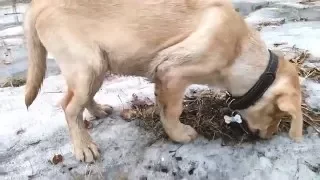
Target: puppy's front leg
{"type": "Point", "coordinates": [169, 93]}
{"type": "Point", "coordinates": [84, 147]}
{"type": "Point", "coordinates": [179, 66]}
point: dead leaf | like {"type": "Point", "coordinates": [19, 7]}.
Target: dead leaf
{"type": "Point", "coordinates": [57, 159]}
{"type": "Point", "coordinates": [128, 114]}
{"type": "Point", "coordinates": [88, 124]}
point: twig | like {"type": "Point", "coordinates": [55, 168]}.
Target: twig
{"type": "Point", "coordinates": [121, 102]}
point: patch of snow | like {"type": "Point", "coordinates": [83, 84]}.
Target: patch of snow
{"type": "Point", "coordinates": [268, 14]}
{"type": "Point", "coordinates": [10, 15]}
{"type": "Point", "coordinates": [304, 35]}
{"type": "Point", "coordinates": [313, 91]}
{"type": "Point", "coordinates": [13, 41]}
{"type": "Point", "coordinates": [28, 139]}
{"type": "Point", "coordinates": [16, 30]}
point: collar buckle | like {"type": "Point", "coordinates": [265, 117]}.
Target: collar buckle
{"type": "Point", "coordinates": [229, 100]}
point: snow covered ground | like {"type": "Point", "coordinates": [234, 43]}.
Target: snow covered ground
{"type": "Point", "coordinates": [29, 139]}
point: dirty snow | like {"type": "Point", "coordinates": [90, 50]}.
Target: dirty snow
{"type": "Point", "coordinates": [28, 139]}
{"type": "Point", "coordinates": [313, 94]}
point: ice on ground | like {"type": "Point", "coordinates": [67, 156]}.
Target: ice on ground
{"type": "Point", "coordinates": [304, 35]}
{"type": "Point", "coordinates": [313, 94]}
{"type": "Point", "coordinates": [18, 30]}
{"type": "Point", "coordinates": [30, 138]}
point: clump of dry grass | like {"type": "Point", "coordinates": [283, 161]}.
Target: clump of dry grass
{"type": "Point", "coordinates": [205, 110]}
{"type": "Point", "coordinates": [13, 82]}
{"type": "Point", "coordinates": [298, 57]}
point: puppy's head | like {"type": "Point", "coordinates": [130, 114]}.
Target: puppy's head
{"type": "Point", "coordinates": [282, 99]}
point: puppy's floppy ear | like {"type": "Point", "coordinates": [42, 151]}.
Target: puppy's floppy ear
{"type": "Point", "coordinates": [291, 105]}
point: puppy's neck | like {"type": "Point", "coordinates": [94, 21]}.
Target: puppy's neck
{"type": "Point", "coordinates": [249, 66]}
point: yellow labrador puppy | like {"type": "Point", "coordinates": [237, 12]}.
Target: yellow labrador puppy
{"type": "Point", "coordinates": [173, 43]}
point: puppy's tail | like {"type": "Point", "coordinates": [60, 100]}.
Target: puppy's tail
{"type": "Point", "coordinates": [37, 55]}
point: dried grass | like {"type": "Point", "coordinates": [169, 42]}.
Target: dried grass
{"type": "Point", "coordinates": [204, 111]}
{"type": "Point", "coordinates": [13, 82]}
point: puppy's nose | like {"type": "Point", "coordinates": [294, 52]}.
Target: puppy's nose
{"type": "Point", "coordinates": [253, 131]}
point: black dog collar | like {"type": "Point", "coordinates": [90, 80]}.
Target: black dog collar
{"type": "Point", "coordinates": [260, 87]}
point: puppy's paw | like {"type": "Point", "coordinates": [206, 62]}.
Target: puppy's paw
{"type": "Point", "coordinates": [86, 150]}
{"type": "Point", "coordinates": [106, 108]}
{"type": "Point", "coordinates": [99, 111]}
{"type": "Point", "coordinates": [296, 137]}
{"type": "Point", "coordinates": [183, 134]}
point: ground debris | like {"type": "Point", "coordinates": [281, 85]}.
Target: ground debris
{"type": "Point", "coordinates": [204, 111]}
{"type": "Point", "coordinates": [13, 82]}
{"type": "Point", "coordinates": [57, 158]}
{"type": "Point", "coordinates": [299, 57]}
{"type": "Point", "coordinates": [88, 124]}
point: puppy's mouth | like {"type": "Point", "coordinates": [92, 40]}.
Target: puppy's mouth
{"type": "Point", "coordinates": [255, 132]}
{"type": "Point", "coordinates": [261, 135]}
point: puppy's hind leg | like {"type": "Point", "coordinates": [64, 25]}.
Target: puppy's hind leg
{"type": "Point", "coordinates": [99, 110]}
{"type": "Point", "coordinates": [95, 109]}
{"type": "Point", "coordinates": [79, 95]}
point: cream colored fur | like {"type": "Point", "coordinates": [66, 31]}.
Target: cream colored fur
{"type": "Point", "coordinates": [174, 43]}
